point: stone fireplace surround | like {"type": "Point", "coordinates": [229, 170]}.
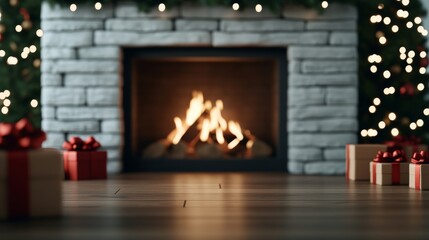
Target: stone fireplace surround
{"type": "Point", "coordinates": [82, 78]}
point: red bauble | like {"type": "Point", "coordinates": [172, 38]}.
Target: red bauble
{"type": "Point", "coordinates": [408, 89]}
{"type": "Point", "coordinates": [424, 62]}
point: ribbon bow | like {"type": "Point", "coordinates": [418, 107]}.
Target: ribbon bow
{"type": "Point", "coordinates": [77, 144]}
{"type": "Point", "coordinates": [20, 135]}
{"type": "Point", "coordinates": [387, 157]}
{"type": "Point", "coordinates": [421, 157]}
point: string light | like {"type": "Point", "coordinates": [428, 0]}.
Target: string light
{"type": "Point", "coordinates": [372, 132]}
{"type": "Point", "coordinates": [395, 28]}
{"type": "Point", "coordinates": [33, 48]}
{"type": "Point", "coordinates": [380, 6]}
{"type": "Point", "coordinates": [34, 103]}
{"type": "Point", "coordinates": [73, 7]}
{"type": "Point", "coordinates": [161, 7]}
{"type": "Point", "coordinates": [258, 8]}
{"type": "Point", "coordinates": [420, 86]}
{"type": "Point", "coordinates": [394, 132]}
{"type": "Point", "coordinates": [387, 20]}
{"type": "Point", "coordinates": [6, 102]}
{"type": "Point", "coordinates": [420, 123]}
{"type": "Point", "coordinates": [2, 53]}
{"type": "Point", "coordinates": [422, 70]}
{"type": "Point", "coordinates": [382, 40]}
{"type": "Point", "coordinates": [235, 6]}
{"type": "Point", "coordinates": [18, 28]}
{"type": "Point", "coordinates": [372, 109]}
{"type": "Point", "coordinates": [39, 33]}
{"type": "Point", "coordinates": [6, 93]}
{"type": "Point", "coordinates": [386, 74]}
{"type": "Point", "coordinates": [12, 60]}
{"type": "Point", "coordinates": [325, 4]}
{"type": "Point", "coordinates": [411, 54]}
{"type": "Point", "coordinates": [423, 54]}
{"type": "Point", "coordinates": [408, 68]}
{"type": "Point", "coordinates": [392, 116]}
{"type": "Point", "coordinates": [98, 6]}
{"type": "Point", "coordinates": [373, 69]}
{"type": "Point", "coordinates": [409, 24]}
{"type": "Point", "coordinates": [4, 110]}
{"type": "Point", "coordinates": [409, 60]}
{"type": "Point", "coordinates": [364, 133]}
{"type": "Point", "coordinates": [413, 126]}
{"type": "Point", "coordinates": [381, 125]}
{"type": "Point", "coordinates": [426, 111]}
{"type": "Point", "coordinates": [376, 101]}
{"type": "Point", "coordinates": [418, 20]}
{"type": "Point", "coordinates": [402, 50]}
{"type": "Point", "coordinates": [403, 56]}
{"type": "Point", "coordinates": [405, 2]}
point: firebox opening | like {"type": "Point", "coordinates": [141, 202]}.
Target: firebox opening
{"type": "Point", "coordinates": [247, 83]}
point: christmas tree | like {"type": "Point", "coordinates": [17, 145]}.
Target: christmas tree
{"type": "Point", "coordinates": [393, 61]}
{"type": "Point", "coordinates": [20, 60]}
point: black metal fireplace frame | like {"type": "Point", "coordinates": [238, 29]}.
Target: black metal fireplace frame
{"type": "Point", "coordinates": [134, 163]}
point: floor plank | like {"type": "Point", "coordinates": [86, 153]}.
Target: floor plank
{"type": "Point", "coordinates": [230, 206]}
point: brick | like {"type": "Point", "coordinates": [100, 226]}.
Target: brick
{"type": "Point", "coordinates": [114, 153]}
{"type": "Point", "coordinates": [332, 25]}
{"type": "Point", "coordinates": [81, 66]}
{"type": "Point", "coordinates": [67, 39]}
{"type": "Point", "coordinates": [324, 125]}
{"type": "Point", "coordinates": [343, 38]}
{"type": "Point", "coordinates": [329, 66]}
{"type": "Point", "coordinates": [306, 96]}
{"type": "Point", "coordinates": [221, 12]}
{"type": "Point", "coordinates": [71, 25]}
{"type": "Point", "coordinates": [325, 168]}
{"type": "Point", "coordinates": [323, 80]}
{"type": "Point", "coordinates": [192, 25]}
{"type": "Point", "coordinates": [311, 112]}
{"type": "Point", "coordinates": [298, 52]}
{"type": "Point", "coordinates": [114, 167]}
{"type": "Point", "coordinates": [48, 112]}
{"type": "Point", "coordinates": [342, 96]}
{"type": "Point", "coordinates": [60, 96]}
{"type": "Point", "coordinates": [68, 126]}
{"type": "Point", "coordinates": [294, 66]}
{"type": "Point", "coordinates": [139, 25]}
{"type": "Point", "coordinates": [334, 11]}
{"type": "Point", "coordinates": [51, 79]}
{"type": "Point", "coordinates": [50, 11]}
{"type": "Point", "coordinates": [99, 52]}
{"type": "Point", "coordinates": [111, 126]}
{"type": "Point", "coordinates": [131, 10]}
{"type": "Point", "coordinates": [269, 39]}
{"type": "Point", "coordinates": [261, 25]}
{"type": "Point", "coordinates": [103, 96]}
{"type": "Point", "coordinates": [321, 139]}
{"type": "Point", "coordinates": [58, 53]}
{"type": "Point", "coordinates": [54, 140]}
{"type": "Point", "coordinates": [102, 80]}
{"type": "Point", "coordinates": [151, 39]}
{"type": "Point", "coordinates": [305, 154]}
{"type": "Point", "coordinates": [334, 154]}
{"type": "Point", "coordinates": [295, 167]}
{"type": "Point", "coordinates": [87, 113]}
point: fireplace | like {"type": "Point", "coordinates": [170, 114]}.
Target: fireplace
{"type": "Point", "coordinates": [249, 83]}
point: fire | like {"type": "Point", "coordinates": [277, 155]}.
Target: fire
{"type": "Point", "coordinates": [210, 122]}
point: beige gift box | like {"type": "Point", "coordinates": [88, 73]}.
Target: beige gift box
{"type": "Point", "coordinates": [389, 173]}
{"type": "Point", "coordinates": [45, 175]}
{"type": "Point", "coordinates": [419, 176]}
{"type": "Point", "coordinates": [358, 156]}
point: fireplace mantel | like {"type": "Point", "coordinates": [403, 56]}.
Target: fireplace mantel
{"type": "Point", "coordinates": [82, 83]}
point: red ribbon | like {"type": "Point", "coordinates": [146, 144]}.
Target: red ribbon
{"type": "Point", "coordinates": [421, 157]}
{"type": "Point", "coordinates": [20, 135]}
{"type": "Point", "coordinates": [417, 176]}
{"type": "Point", "coordinates": [18, 196]}
{"type": "Point", "coordinates": [387, 157]}
{"type": "Point", "coordinates": [77, 144]}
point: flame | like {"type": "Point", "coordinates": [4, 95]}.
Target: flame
{"type": "Point", "coordinates": [234, 143]}
{"type": "Point", "coordinates": [205, 131]}
{"type": "Point", "coordinates": [234, 128]}
{"type": "Point", "coordinates": [219, 136]}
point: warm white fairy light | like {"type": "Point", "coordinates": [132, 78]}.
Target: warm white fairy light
{"type": "Point", "coordinates": [392, 116]}
{"type": "Point", "coordinates": [235, 6]}
{"type": "Point", "coordinates": [410, 24]}
{"type": "Point", "coordinates": [376, 101]}
{"type": "Point", "coordinates": [98, 6]}
{"type": "Point", "coordinates": [161, 7]}
{"type": "Point", "coordinates": [372, 109]}
{"type": "Point", "coordinates": [34, 103]}
{"type": "Point", "coordinates": [18, 28]}
{"type": "Point", "coordinates": [423, 54]}
{"type": "Point", "coordinates": [372, 132]}
{"type": "Point", "coordinates": [408, 68]}
{"type": "Point", "coordinates": [381, 124]}
{"type": "Point", "coordinates": [373, 69]}
{"type": "Point", "coordinates": [413, 126]}
{"type": "Point", "coordinates": [426, 111]}
{"type": "Point", "coordinates": [405, 2]}
{"type": "Point", "coordinates": [420, 123]}
{"type": "Point", "coordinates": [24, 55]}
{"type": "Point", "coordinates": [411, 54]}
{"type": "Point", "coordinates": [382, 40]}
{"type": "Point", "coordinates": [387, 20]}
{"type": "Point", "coordinates": [403, 56]}
{"type": "Point", "coordinates": [395, 28]}
{"type": "Point", "coordinates": [402, 50]}
{"type": "Point", "coordinates": [364, 133]}
{"type": "Point", "coordinates": [420, 86]}
{"type": "Point", "coordinates": [325, 4]}
{"type": "Point", "coordinates": [6, 93]}
{"type": "Point", "coordinates": [12, 60]}
{"type": "Point", "coordinates": [386, 74]}
{"type": "Point", "coordinates": [409, 60]}
{"type": "Point", "coordinates": [420, 29]}
{"type": "Point", "coordinates": [394, 132]}
{"type": "Point", "coordinates": [39, 33]}
{"type": "Point", "coordinates": [380, 6]}
{"type": "Point", "coordinates": [374, 58]}
{"type": "Point", "coordinates": [425, 33]}
{"type": "Point", "coordinates": [4, 110]}
{"type": "Point", "coordinates": [422, 70]}
{"type": "Point", "coordinates": [2, 96]}
{"type": "Point", "coordinates": [2, 53]}
{"type": "Point", "coordinates": [33, 48]}
{"type": "Point", "coordinates": [418, 20]}
{"type": "Point", "coordinates": [73, 7]}
{"type": "Point", "coordinates": [6, 102]}
{"type": "Point", "coordinates": [258, 8]}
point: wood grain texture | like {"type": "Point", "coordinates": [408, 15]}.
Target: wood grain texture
{"type": "Point", "coordinates": [231, 206]}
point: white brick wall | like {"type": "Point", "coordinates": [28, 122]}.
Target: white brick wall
{"type": "Point", "coordinates": [81, 72]}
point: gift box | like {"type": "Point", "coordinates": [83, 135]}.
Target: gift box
{"type": "Point", "coordinates": [358, 156]}
{"type": "Point", "coordinates": [389, 169]}
{"type": "Point", "coordinates": [30, 177]}
{"type": "Point", "coordinates": [82, 161]}
{"type": "Point", "coordinates": [419, 171]}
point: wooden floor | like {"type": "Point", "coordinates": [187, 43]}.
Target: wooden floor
{"type": "Point", "coordinates": [230, 206]}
